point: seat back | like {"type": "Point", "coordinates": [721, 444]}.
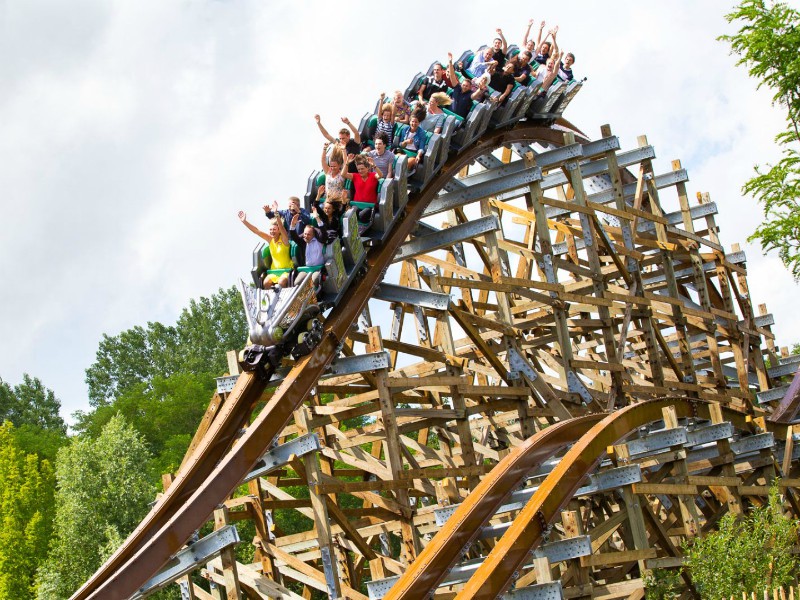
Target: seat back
{"type": "Point", "coordinates": [411, 90]}
{"type": "Point", "coordinates": [426, 170]}
{"type": "Point", "coordinates": [316, 179]}
{"type": "Point", "coordinates": [448, 129]}
{"type": "Point", "coordinates": [507, 113]}
{"type": "Point", "coordinates": [367, 127]}
{"type": "Point", "coordinates": [400, 171]}
{"type": "Point", "coordinates": [573, 87]}
{"type": "Point", "coordinates": [353, 248]}
{"type": "Point", "coordinates": [386, 205]}
{"type": "Point", "coordinates": [529, 95]}
{"type": "Point", "coordinates": [554, 95]}
{"type": "Point", "coordinates": [472, 127]}
{"type": "Point", "coordinates": [261, 263]}
{"type": "Point", "coordinates": [334, 268]}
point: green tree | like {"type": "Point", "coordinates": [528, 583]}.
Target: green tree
{"type": "Point", "coordinates": [768, 44]}
{"type": "Point", "coordinates": [165, 411]}
{"type": "Point", "coordinates": [103, 493]}
{"type": "Point", "coordinates": [26, 507]}
{"type": "Point", "coordinates": [195, 344]}
{"type": "Point", "coordinates": [30, 403]}
{"type": "Point", "coordinates": [748, 554]}
{"type": "Point", "coordinates": [33, 410]}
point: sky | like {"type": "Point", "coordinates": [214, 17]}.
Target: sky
{"type": "Point", "coordinates": [131, 133]}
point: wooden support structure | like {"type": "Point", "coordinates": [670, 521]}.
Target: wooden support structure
{"type": "Point", "coordinates": [602, 286]}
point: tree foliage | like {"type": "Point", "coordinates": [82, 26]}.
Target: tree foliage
{"type": "Point", "coordinates": [30, 403]}
{"type": "Point", "coordinates": [26, 507]}
{"type": "Point", "coordinates": [103, 493]}
{"type": "Point", "coordinates": [748, 554]}
{"type": "Point", "coordinates": [197, 343]}
{"type": "Point", "coordinates": [768, 44]}
{"type": "Point", "coordinates": [165, 411]}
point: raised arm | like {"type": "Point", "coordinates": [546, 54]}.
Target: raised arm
{"type": "Point", "coordinates": [451, 71]}
{"type": "Point", "coordinates": [325, 167]}
{"type": "Point", "coordinates": [551, 77]}
{"type": "Point", "coordinates": [324, 131]}
{"type": "Point", "coordinates": [356, 135]}
{"type": "Point", "coordinates": [282, 230]}
{"type": "Point", "coordinates": [263, 235]}
{"type": "Point", "coordinates": [502, 39]}
{"type": "Point", "coordinates": [527, 33]}
{"type": "Point", "coordinates": [539, 38]}
{"type": "Point", "coordinates": [374, 166]}
{"type": "Point", "coordinates": [553, 33]}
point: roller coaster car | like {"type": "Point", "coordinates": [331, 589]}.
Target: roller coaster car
{"type": "Point", "coordinates": [392, 199]}
{"type": "Point", "coordinates": [284, 321]}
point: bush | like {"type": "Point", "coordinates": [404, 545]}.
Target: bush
{"type": "Point", "coordinates": [746, 554]}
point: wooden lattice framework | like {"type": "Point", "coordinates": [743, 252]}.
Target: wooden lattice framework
{"type": "Point", "coordinates": [545, 282]}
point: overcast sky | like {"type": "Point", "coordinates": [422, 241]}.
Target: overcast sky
{"type": "Point", "coordinates": [132, 132]}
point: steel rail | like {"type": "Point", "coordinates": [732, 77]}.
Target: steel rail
{"type": "Point", "coordinates": [432, 565]}
{"type": "Point", "coordinates": [786, 411]}
{"type": "Point", "coordinates": [194, 495]}
{"type": "Point", "coordinates": [500, 568]}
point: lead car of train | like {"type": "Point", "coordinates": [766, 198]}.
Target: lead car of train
{"type": "Point", "coordinates": [285, 321]}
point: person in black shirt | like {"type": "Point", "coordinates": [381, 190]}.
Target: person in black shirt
{"type": "Point", "coordinates": [522, 70]}
{"type": "Point", "coordinates": [565, 67]}
{"type": "Point", "coordinates": [433, 83]}
{"type": "Point", "coordinates": [351, 145]}
{"type": "Point", "coordinates": [503, 82]}
{"type": "Point", "coordinates": [462, 90]}
{"type": "Point", "coordinates": [500, 47]}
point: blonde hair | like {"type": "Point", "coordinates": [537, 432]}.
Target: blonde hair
{"type": "Point", "coordinates": [337, 154]}
{"type": "Point", "coordinates": [442, 99]}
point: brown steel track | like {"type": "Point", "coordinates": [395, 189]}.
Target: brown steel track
{"type": "Point", "coordinates": [786, 411]}
{"type": "Point", "coordinates": [444, 550]}
{"type": "Point", "coordinates": [498, 571]}
{"type": "Point", "coordinates": [211, 474]}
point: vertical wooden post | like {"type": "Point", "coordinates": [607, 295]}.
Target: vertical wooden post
{"type": "Point", "coordinates": [573, 527]}
{"type": "Point", "coordinates": [533, 199]}
{"type": "Point", "coordinates": [228, 558]}
{"type": "Point", "coordinates": [733, 499]}
{"type": "Point", "coordinates": [688, 509]}
{"type": "Point", "coordinates": [394, 457]}
{"type": "Point", "coordinates": [319, 509]}
{"type": "Point", "coordinates": [638, 530]}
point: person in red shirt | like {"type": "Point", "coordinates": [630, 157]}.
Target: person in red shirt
{"type": "Point", "coordinates": [365, 185]}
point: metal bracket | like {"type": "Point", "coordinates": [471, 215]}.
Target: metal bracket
{"type": "Point", "coordinates": [281, 455]}
{"type": "Point", "coordinates": [565, 549]}
{"type": "Point", "coordinates": [519, 364]}
{"type": "Point", "coordinates": [575, 385]}
{"type": "Point", "coordinates": [188, 559]}
{"type": "Point", "coordinates": [710, 433]}
{"type": "Point", "coordinates": [361, 363]}
{"type": "Point", "coordinates": [226, 384]}
{"type": "Point", "coordinates": [658, 440]}
{"type": "Point", "coordinates": [752, 443]}
{"type": "Point", "coordinates": [541, 591]}
{"type": "Point", "coordinates": [330, 573]}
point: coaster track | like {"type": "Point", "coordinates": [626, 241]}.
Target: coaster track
{"type": "Point", "coordinates": [681, 358]}
{"type": "Point", "coordinates": [210, 475]}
